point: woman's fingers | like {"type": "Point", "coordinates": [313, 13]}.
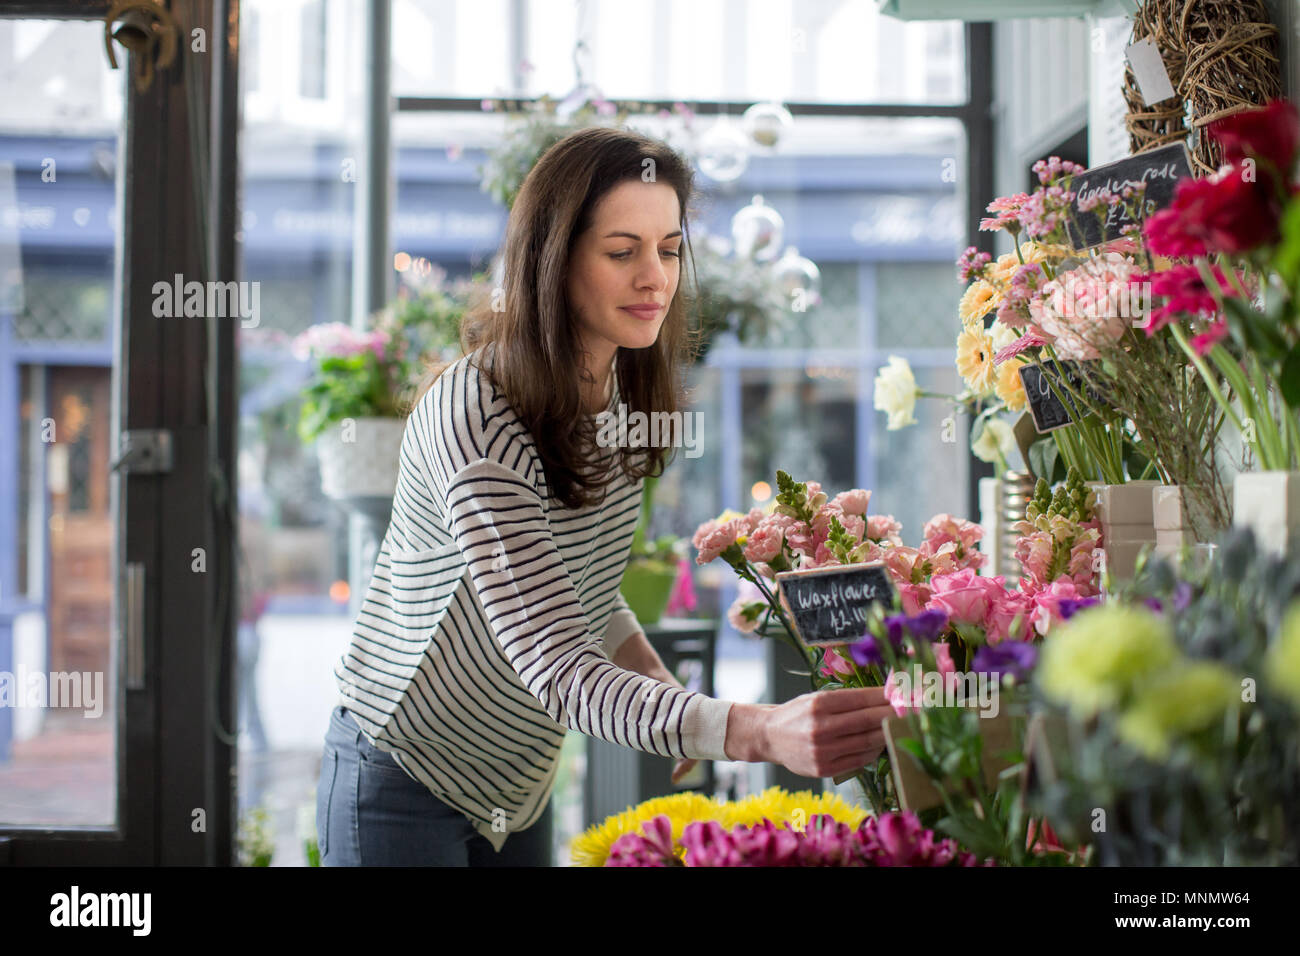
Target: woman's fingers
{"type": "Point", "coordinates": [855, 722]}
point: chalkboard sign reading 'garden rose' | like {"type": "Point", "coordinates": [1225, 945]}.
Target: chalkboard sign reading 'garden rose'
{"type": "Point", "coordinates": [829, 605]}
{"type": "Point", "coordinates": [1160, 169]}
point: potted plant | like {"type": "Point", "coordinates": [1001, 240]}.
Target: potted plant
{"type": "Point", "coordinates": [363, 381]}
{"type": "Point", "coordinates": [652, 567]}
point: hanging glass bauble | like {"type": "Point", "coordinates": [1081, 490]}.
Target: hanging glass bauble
{"type": "Point", "coordinates": [757, 231]}
{"type": "Point", "coordinates": [766, 123]}
{"type": "Point", "coordinates": [793, 272]}
{"type": "Point", "coordinates": [723, 151]}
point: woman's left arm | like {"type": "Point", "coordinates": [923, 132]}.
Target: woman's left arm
{"type": "Point", "coordinates": [637, 654]}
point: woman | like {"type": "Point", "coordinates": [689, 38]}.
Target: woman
{"type": "Point", "coordinates": [494, 619]}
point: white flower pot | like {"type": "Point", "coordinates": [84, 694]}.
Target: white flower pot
{"type": "Point", "coordinates": [1267, 502]}
{"type": "Point", "coordinates": [359, 457]}
{"type": "Point", "coordinates": [1127, 517]}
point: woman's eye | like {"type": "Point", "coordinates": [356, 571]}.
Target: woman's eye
{"type": "Point", "coordinates": [676, 254]}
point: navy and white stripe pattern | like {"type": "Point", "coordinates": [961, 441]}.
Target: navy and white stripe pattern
{"type": "Point", "coordinates": [493, 614]}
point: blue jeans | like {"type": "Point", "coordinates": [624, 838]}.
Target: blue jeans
{"type": "Point", "coordinates": [369, 812]}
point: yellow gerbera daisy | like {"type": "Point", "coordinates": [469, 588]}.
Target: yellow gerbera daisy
{"type": "Point", "coordinates": [975, 360]}
{"type": "Point", "coordinates": [1000, 273]}
{"type": "Point", "coordinates": [980, 298]}
{"type": "Point", "coordinates": [1008, 387]}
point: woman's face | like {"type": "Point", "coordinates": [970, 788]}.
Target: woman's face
{"type": "Point", "coordinates": [628, 258]}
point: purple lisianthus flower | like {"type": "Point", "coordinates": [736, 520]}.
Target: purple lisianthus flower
{"type": "Point", "coordinates": [1182, 595]}
{"type": "Point", "coordinates": [1154, 604]}
{"type": "Point", "coordinates": [1016, 658]}
{"type": "Point", "coordinates": [925, 626]}
{"type": "Point", "coordinates": [1068, 607]}
{"type": "Point", "coordinates": [867, 652]}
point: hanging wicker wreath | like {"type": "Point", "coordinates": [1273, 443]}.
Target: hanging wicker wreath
{"type": "Point", "coordinates": [1222, 58]}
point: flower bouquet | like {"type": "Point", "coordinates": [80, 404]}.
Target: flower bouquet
{"type": "Point", "coordinates": [946, 618]}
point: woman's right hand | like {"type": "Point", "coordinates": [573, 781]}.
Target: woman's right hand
{"type": "Point", "coordinates": [822, 734]}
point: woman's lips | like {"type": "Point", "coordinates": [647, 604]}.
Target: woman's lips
{"type": "Point", "coordinates": [647, 312]}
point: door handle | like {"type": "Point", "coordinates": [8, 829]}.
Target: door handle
{"type": "Point", "coordinates": [135, 625]}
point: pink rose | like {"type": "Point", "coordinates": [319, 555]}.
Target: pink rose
{"type": "Point", "coordinates": [1003, 612]}
{"type": "Point", "coordinates": [853, 501]}
{"type": "Point", "coordinates": [965, 596]}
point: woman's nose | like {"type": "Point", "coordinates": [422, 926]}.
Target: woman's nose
{"type": "Point", "coordinates": [653, 277]}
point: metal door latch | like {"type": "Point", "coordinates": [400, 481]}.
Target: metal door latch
{"type": "Point", "coordinates": [145, 451]}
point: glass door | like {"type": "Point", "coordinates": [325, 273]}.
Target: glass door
{"type": "Point", "coordinates": [116, 552]}
{"type": "Point", "coordinates": [61, 122]}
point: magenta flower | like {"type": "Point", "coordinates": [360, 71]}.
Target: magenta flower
{"type": "Point", "coordinates": [653, 846]}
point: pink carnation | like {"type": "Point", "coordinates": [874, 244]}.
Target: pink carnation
{"type": "Point", "coordinates": [884, 528]}
{"type": "Point", "coordinates": [719, 538]}
{"type": "Point", "coordinates": [765, 541]}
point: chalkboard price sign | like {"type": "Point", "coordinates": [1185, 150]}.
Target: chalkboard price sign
{"type": "Point", "coordinates": [1048, 411]}
{"type": "Point", "coordinates": [1161, 169]}
{"type": "Point", "coordinates": [829, 605]}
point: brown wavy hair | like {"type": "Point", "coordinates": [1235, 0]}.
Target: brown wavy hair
{"type": "Point", "coordinates": [534, 333]}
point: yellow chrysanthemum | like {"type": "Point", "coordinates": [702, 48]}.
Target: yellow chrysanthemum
{"type": "Point", "coordinates": [1008, 387]}
{"type": "Point", "coordinates": [592, 847]}
{"type": "Point", "coordinates": [979, 299]}
{"type": "Point", "coordinates": [789, 809]}
{"type": "Point", "coordinates": [975, 360]}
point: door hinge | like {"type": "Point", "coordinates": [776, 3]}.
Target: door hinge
{"type": "Point", "coordinates": [145, 451]}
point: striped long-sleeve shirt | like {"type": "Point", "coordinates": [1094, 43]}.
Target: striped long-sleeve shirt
{"type": "Point", "coordinates": [493, 615]}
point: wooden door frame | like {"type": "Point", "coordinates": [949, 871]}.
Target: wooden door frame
{"type": "Point", "coordinates": [176, 755]}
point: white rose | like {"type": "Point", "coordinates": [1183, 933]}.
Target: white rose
{"type": "Point", "coordinates": [896, 393]}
